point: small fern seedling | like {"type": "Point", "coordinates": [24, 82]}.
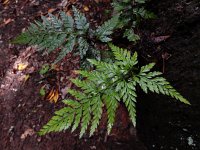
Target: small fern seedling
{"type": "Point", "coordinates": [130, 13]}
{"type": "Point", "coordinates": [108, 85]}
{"type": "Point", "coordinates": [67, 33]}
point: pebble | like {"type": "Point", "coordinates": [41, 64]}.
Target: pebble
{"type": "Point", "coordinates": [190, 141]}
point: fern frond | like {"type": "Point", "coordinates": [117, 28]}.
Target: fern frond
{"type": "Point", "coordinates": [123, 55]}
{"type": "Point", "coordinates": [80, 20]}
{"type": "Point", "coordinates": [129, 98]}
{"type": "Point", "coordinates": [97, 112]}
{"type": "Point", "coordinates": [131, 36]}
{"type": "Point", "coordinates": [146, 68]}
{"type": "Point", "coordinates": [72, 103]}
{"type": "Point", "coordinates": [77, 119]}
{"type": "Point", "coordinates": [153, 82]}
{"type": "Point", "coordinates": [68, 22]}
{"type": "Point", "coordinates": [77, 94]}
{"type": "Point", "coordinates": [83, 47]}
{"type": "Point", "coordinates": [68, 47]}
{"type": "Point", "coordinates": [109, 84]}
{"type": "Point", "coordinates": [111, 106]}
{"type": "Point", "coordinates": [140, 1]}
{"type": "Point", "coordinates": [111, 69]}
{"type": "Point", "coordinates": [86, 85]}
{"type": "Point", "coordinates": [86, 117]}
{"type": "Point", "coordinates": [47, 35]}
{"type": "Point", "coordinates": [61, 121]}
{"type": "Point", "coordinates": [104, 31]}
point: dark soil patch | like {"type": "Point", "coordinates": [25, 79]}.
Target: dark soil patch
{"type": "Point", "coordinates": [164, 124]}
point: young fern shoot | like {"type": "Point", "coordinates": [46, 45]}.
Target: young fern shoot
{"type": "Point", "coordinates": [108, 85]}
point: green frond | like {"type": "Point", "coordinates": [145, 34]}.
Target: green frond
{"type": "Point", "coordinates": [107, 68]}
{"type": "Point", "coordinates": [128, 95]}
{"type": "Point", "coordinates": [86, 117]}
{"type": "Point", "coordinates": [77, 119]}
{"type": "Point", "coordinates": [97, 112]}
{"type": "Point", "coordinates": [60, 32]}
{"type": "Point", "coordinates": [68, 47]}
{"type": "Point", "coordinates": [153, 82]}
{"type": "Point", "coordinates": [131, 36]}
{"type": "Point", "coordinates": [83, 47]}
{"type": "Point", "coordinates": [104, 31]}
{"type": "Point", "coordinates": [140, 1]}
{"type": "Point", "coordinates": [60, 121]}
{"type": "Point", "coordinates": [84, 73]}
{"type": "Point", "coordinates": [68, 22]}
{"type": "Point", "coordinates": [47, 35]}
{"type": "Point", "coordinates": [111, 106]}
{"type": "Point", "coordinates": [80, 20]}
{"type": "Point", "coordinates": [123, 54]}
{"type": "Point", "coordinates": [77, 94]}
{"type": "Point", "coordinates": [87, 86]}
{"type": "Point", "coordinates": [146, 68]}
{"type": "Point", "coordinates": [72, 103]}
{"type": "Point", "coordinates": [108, 85]}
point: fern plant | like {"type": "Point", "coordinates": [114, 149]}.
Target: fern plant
{"type": "Point", "coordinates": [108, 85]}
{"type": "Point", "coordinates": [67, 33]}
{"type": "Point", "coordinates": [130, 12]}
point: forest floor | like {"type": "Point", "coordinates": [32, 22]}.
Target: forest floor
{"type": "Point", "coordinates": [161, 122]}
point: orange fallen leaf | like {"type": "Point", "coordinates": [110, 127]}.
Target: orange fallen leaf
{"type": "Point", "coordinates": [53, 95]}
{"type": "Point", "coordinates": [86, 8]}
{"type": "Point", "coordinates": [5, 2]}
{"type": "Point", "coordinates": [22, 66]}
{"type": "Point", "coordinates": [51, 10]}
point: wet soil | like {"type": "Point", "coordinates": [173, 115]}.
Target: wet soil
{"type": "Point", "coordinates": [163, 123]}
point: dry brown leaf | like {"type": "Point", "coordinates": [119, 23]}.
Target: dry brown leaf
{"type": "Point", "coordinates": [29, 132]}
{"type": "Point", "coordinates": [26, 77]}
{"type": "Point", "coordinates": [22, 66]}
{"type": "Point", "coordinates": [51, 10]}
{"type": "Point", "coordinates": [53, 95]}
{"type": "Point", "coordinates": [159, 39]}
{"type": "Point", "coordinates": [5, 2]}
{"type": "Point", "coordinates": [85, 8]}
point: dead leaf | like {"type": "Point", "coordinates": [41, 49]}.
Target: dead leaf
{"type": "Point", "coordinates": [26, 77]}
{"type": "Point", "coordinates": [64, 90]}
{"type": "Point", "coordinates": [159, 39]}
{"type": "Point", "coordinates": [166, 56]}
{"type": "Point", "coordinates": [51, 10]}
{"type": "Point", "coordinates": [7, 21]}
{"type": "Point", "coordinates": [85, 8]}
{"type": "Point", "coordinates": [28, 132]}
{"type": "Point", "coordinates": [5, 2]}
{"type": "Point", "coordinates": [53, 95]}
{"type": "Point", "coordinates": [22, 66]}
{"type": "Point", "coordinates": [55, 67]}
